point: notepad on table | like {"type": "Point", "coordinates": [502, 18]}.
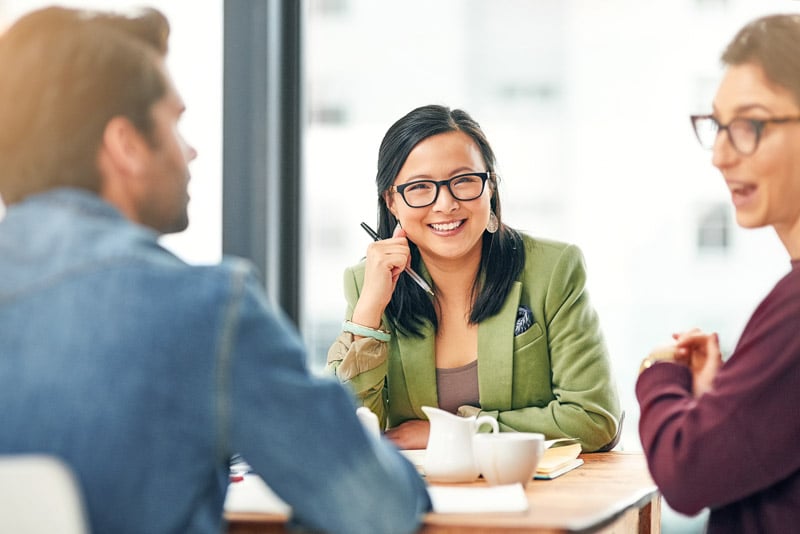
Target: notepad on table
{"type": "Point", "coordinates": [252, 494]}
{"type": "Point", "coordinates": [477, 500]}
{"type": "Point", "coordinates": [560, 456]}
{"type": "Point", "coordinates": [416, 457]}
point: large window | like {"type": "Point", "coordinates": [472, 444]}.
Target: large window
{"type": "Point", "coordinates": [586, 105]}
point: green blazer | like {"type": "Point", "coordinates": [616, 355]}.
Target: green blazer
{"type": "Point", "coordinates": [554, 378]}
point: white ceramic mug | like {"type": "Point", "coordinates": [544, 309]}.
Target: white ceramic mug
{"type": "Point", "coordinates": [369, 420]}
{"type": "Point", "coordinates": [508, 457]}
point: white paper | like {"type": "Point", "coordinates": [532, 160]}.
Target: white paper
{"type": "Point", "coordinates": [416, 457]}
{"type": "Point", "coordinates": [461, 500]}
{"type": "Point", "coordinates": [253, 495]}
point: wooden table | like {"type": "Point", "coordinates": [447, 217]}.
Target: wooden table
{"type": "Point", "coordinates": [612, 492]}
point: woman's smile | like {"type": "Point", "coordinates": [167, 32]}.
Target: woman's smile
{"type": "Point", "coordinates": [447, 228]}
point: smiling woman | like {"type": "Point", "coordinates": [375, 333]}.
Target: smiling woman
{"type": "Point", "coordinates": [440, 212]}
{"type": "Point", "coordinates": [760, 174]}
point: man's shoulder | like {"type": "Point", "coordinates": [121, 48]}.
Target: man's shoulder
{"type": "Point", "coordinates": [231, 274]}
{"type": "Point", "coordinates": [233, 269]}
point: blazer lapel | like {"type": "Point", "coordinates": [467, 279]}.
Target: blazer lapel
{"type": "Point", "coordinates": [496, 354]}
{"type": "Point", "coordinates": [419, 368]}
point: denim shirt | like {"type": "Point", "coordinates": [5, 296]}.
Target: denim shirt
{"type": "Point", "coordinates": [146, 374]}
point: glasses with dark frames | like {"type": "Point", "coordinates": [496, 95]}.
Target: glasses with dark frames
{"type": "Point", "coordinates": [743, 134]}
{"type": "Point", "coordinates": [423, 193]}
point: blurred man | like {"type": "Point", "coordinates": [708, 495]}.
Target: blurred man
{"type": "Point", "coordinates": [143, 373]}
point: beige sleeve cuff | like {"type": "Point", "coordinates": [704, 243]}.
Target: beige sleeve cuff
{"type": "Point", "coordinates": [349, 358]}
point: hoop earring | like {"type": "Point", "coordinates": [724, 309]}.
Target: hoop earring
{"type": "Point", "coordinates": [493, 224]}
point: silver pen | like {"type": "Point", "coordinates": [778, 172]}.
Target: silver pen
{"type": "Point", "coordinates": [414, 276]}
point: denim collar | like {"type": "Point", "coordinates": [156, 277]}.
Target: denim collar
{"type": "Point", "coordinates": [72, 198]}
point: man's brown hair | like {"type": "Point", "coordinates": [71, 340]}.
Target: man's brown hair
{"type": "Point", "coordinates": [64, 74]}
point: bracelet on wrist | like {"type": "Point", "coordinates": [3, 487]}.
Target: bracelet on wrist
{"type": "Point", "coordinates": [365, 331]}
{"type": "Point", "coordinates": [657, 356]}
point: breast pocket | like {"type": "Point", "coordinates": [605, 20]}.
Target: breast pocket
{"type": "Point", "coordinates": [531, 377]}
{"type": "Point", "coordinates": [527, 337]}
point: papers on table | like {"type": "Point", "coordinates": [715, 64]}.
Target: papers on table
{"type": "Point", "coordinates": [477, 500]}
{"type": "Point", "coordinates": [253, 495]}
{"type": "Point", "coordinates": [416, 457]}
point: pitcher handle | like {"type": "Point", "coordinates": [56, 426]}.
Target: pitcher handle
{"type": "Point", "coordinates": [488, 419]}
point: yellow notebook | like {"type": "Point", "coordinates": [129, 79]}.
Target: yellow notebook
{"type": "Point", "coordinates": [560, 456]}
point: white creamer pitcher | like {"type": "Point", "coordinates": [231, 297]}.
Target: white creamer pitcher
{"type": "Point", "coordinates": [449, 456]}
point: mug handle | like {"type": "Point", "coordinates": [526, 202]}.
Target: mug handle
{"type": "Point", "coordinates": [489, 420]}
{"type": "Point", "coordinates": [369, 420]}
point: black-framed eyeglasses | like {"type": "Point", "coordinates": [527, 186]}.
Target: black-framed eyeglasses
{"type": "Point", "coordinates": [423, 193]}
{"type": "Point", "coordinates": [743, 134]}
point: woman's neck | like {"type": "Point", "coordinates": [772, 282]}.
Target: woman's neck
{"type": "Point", "coordinates": [790, 237]}
{"type": "Point", "coordinates": [453, 277]}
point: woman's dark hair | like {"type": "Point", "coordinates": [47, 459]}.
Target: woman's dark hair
{"type": "Point", "coordinates": [502, 254]}
{"type": "Point", "coordinates": [773, 42]}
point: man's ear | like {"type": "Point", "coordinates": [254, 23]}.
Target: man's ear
{"type": "Point", "coordinates": [121, 161]}
{"type": "Point", "coordinates": [122, 147]}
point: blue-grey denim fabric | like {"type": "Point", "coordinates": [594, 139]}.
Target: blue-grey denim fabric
{"type": "Point", "coordinates": [146, 374]}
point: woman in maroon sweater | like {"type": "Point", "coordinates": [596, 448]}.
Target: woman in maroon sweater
{"type": "Point", "coordinates": [726, 436]}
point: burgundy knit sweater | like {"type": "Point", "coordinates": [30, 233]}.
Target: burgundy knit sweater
{"type": "Point", "coordinates": [736, 449]}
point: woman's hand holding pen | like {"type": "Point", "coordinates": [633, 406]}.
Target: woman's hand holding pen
{"type": "Point", "coordinates": [700, 352]}
{"type": "Point", "coordinates": [386, 260]}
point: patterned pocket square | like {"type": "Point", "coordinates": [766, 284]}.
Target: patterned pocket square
{"type": "Point", "coordinates": [524, 320]}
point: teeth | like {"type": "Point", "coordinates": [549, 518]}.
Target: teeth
{"type": "Point", "coordinates": [445, 227]}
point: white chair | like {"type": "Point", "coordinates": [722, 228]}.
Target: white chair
{"type": "Point", "coordinates": [39, 494]}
